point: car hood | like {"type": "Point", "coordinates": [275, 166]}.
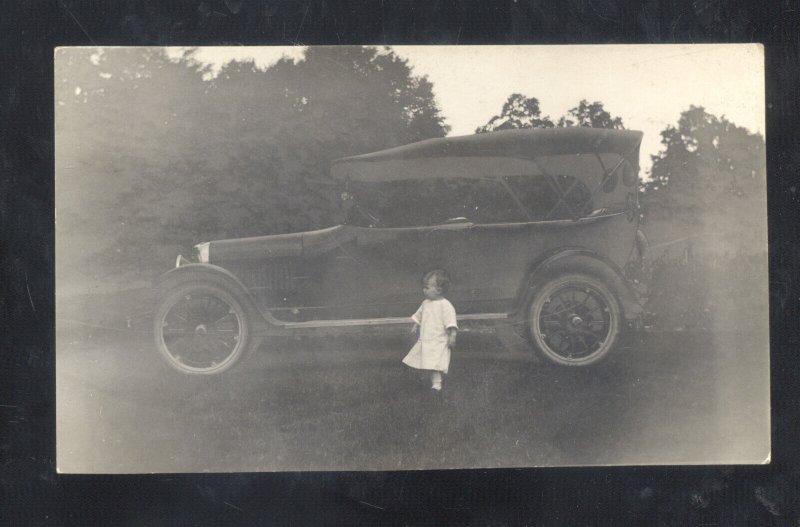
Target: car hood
{"type": "Point", "coordinates": [280, 245]}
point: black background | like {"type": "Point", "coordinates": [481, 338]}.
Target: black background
{"type": "Point", "coordinates": [33, 494]}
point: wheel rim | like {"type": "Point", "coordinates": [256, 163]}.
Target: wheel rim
{"type": "Point", "coordinates": [574, 323]}
{"type": "Point", "coordinates": [201, 332]}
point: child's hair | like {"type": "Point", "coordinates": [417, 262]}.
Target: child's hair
{"type": "Point", "coordinates": [440, 277]}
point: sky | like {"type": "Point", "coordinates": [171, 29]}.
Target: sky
{"type": "Point", "coordinates": [648, 86]}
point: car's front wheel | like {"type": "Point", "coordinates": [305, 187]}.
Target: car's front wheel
{"type": "Point", "coordinates": [574, 320]}
{"type": "Point", "coordinates": [201, 329]}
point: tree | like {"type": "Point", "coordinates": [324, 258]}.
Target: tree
{"type": "Point", "coordinates": [121, 119]}
{"type": "Point", "coordinates": [591, 115]}
{"type": "Point", "coordinates": [518, 111]}
{"type": "Point", "coordinates": [154, 156]}
{"type": "Point", "coordinates": [710, 177]}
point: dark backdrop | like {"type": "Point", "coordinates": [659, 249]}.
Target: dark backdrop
{"type": "Point", "coordinates": [33, 494]}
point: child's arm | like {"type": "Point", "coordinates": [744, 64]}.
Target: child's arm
{"type": "Point", "coordinates": [451, 336]}
{"type": "Point", "coordinates": [416, 318]}
{"type": "Point", "coordinates": [450, 323]}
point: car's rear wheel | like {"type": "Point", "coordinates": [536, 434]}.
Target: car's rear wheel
{"type": "Point", "coordinates": [574, 320]}
{"type": "Point", "coordinates": [201, 329]}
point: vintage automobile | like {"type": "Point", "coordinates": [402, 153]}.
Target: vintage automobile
{"type": "Point", "coordinates": [537, 228]}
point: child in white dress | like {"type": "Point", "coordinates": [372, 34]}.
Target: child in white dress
{"type": "Point", "coordinates": [436, 322]}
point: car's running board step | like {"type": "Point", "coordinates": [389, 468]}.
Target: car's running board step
{"type": "Point", "coordinates": [383, 321]}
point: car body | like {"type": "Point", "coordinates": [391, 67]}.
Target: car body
{"type": "Point", "coordinates": [535, 227]}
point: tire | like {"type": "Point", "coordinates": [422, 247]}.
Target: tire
{"type": "Point", "coordinates": [574, 320]}
{"type": "Point", "coordinates": [202, 329]}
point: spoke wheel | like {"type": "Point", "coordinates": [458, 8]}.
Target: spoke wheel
{"type": "Point", "coordinates": [574, 320]}
{"type": "Point", "coordinates": [201, 329]}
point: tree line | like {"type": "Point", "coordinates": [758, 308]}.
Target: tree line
{"type": "Point", "coordinates": [520, 111]}
{"type": "Point", "coordinates": [154, 153]}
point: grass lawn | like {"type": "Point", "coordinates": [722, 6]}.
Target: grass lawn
{"type": "Point", "coordinates": [346, 403]}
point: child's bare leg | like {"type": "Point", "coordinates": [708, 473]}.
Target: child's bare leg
{"type": "Point", "coordinates": [436, 380]}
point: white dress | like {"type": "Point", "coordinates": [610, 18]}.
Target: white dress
{"type": "Point", "coordinates": [431, 351]}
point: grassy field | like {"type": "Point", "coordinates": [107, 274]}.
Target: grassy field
{"type": "Point", "coordinates": [349, 404]}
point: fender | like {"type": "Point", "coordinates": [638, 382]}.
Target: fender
{"type": "Point", "coordinates": [578, 260]}
{"type": "Point", "coordinates": [203, 272]}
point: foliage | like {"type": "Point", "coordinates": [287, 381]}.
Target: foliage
{"type": "Point", "coordinates": [591, 115]}
{"type": "Point", "coordinates": [710, 178]}
{"type": "Point", "coordinates": [121, 117]}
{"type": "Point", "coordinates": [708, 186]}
{"type": "Point", "coordinates": [153, 155]}
{"type": "Point", "coordinates": [518, 111]}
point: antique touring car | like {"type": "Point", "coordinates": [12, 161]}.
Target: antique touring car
{"type": "Point", "coordinates": [536, 227]}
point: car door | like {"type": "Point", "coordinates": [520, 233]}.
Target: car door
{"type": "Point", "coordinates": [376, 272]}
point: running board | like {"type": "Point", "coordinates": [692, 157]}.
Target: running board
{"type": "Point", "coordinates": [382, 321]}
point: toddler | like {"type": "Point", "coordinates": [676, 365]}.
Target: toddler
{"type": "Point", "coordinates": [436, 322]}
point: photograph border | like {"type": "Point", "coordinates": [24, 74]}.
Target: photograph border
{"type": "Point", "coordinates": [497, 496]}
